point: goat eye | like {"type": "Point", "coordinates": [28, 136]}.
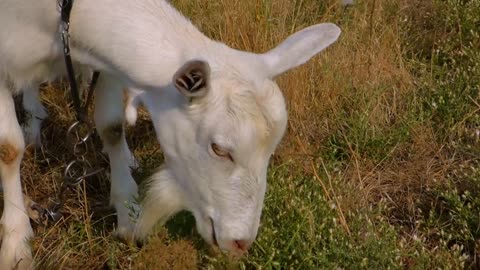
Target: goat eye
{"type": "Point", "coordinates": [219, 151]}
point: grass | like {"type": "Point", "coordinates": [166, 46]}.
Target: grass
{"type": "Point", "coordinates": [379, 168]}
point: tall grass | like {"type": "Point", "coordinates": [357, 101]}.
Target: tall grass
{"type": "Point", "coordinates": [379, 168]}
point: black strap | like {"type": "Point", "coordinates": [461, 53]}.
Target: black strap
{"type": "Point", "coordinates": [66, 8]}
{"type": "Point", "coordinates": [91, 88]}
{"type": "Point", "coordinates": [81, 115]}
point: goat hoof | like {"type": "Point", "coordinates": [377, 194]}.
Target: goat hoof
{"type": "Point", "coordinates": [15, 252]}
{"type": "Point", "coordinates": [123, 235]}
{"type": "Point", "coordinates": [139, 243]}
{"type": "Point", "coordinates": [33, 214]}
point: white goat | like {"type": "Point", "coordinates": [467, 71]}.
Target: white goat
{"type": "Point", "coordinates": [217, 113]}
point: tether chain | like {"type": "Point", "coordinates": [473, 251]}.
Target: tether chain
{"type": "Point", "coordinates": [78, 169]}
{"type": "Point", "coordinates": [75, 172]}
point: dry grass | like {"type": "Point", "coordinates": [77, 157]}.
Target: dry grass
{"type": "Point", "coordinates": [354, 129]}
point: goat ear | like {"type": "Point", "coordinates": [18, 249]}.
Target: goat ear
{"type": "Point", "coordinates": [299, 48]}
{"type": "Point", "coordinates": [193, 79]}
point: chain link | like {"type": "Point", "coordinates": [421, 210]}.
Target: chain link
{"type": "Point", "coordinates": [65, 34]}
{"type": "Point", "coordinates": [64, 27]}
{"type": "Point", "coordinates": [75, 172]}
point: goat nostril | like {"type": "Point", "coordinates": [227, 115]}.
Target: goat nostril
{"type": "Point", "coordinates": [241, 245]}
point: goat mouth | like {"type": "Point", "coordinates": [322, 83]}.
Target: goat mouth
{"type": "Point", "coordinates": [214, 235]}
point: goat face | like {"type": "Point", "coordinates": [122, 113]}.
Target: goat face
{"type": "Point", "coordinates": [217, 133]}
{"type": "Point", "coordinates": [218, 127]}
{"type": "Point", "coordinates": [235, 127]}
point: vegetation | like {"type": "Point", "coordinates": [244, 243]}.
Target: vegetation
{"type": "Point", "coordinates": [379, 169]}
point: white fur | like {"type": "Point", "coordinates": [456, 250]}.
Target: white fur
{"type": "Point", "coordinates": [131, 108]}
{"type": "Point", "coordinates": [142, 44]}
{"type": "Point", "coordinates": [35, 115]}
{"type": "Point", "coordinates": [16, 228]}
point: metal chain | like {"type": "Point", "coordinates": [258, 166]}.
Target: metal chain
{"type": "Point", "coordinates": [79, 132]}
{"type": "Point", "coordinates": [64, 27]}
{"type": "Point", "coordinates": [75, 172]}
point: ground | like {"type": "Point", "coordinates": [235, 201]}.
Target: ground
{"type": "Point", "coordinates": [379, 168]}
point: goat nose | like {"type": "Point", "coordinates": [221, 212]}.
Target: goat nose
{"type": "Point", "coordinates": [241, 245]}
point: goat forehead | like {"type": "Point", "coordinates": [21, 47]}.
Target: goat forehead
{"type": "Point", "coordinates": [245, 125]}
{"type": "Point", "coordinates": [261, 114]}
{"type": "Point", "coordinates": [244, 115]}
